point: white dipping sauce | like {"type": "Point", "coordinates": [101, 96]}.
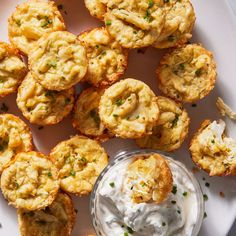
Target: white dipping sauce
{"type": "Point", "coordinates": [116, 212]}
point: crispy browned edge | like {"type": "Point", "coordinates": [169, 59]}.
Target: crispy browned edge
{"type": "Point", "coordinates": [101, 138]}
{"type": "Point", "coordinates": [53, 159]}
{"type": "Point", "coordinates": [169, 54]}
{"type": "Point", "coordinates": [69, 209]}
{"type": "Point", "coordinates": [40, 155]}
{"type": "Point", "coordinates": [26, 127]}
{"type": "Point", "coordinates": [117, 76]}
{"type": "Point", "coordinates": [121, 135]}
{"type": "Point", "coordinates": [184, 134]}
{"type": "Point", "coordinates": [166, 172]}
{"type": "Point", "coordinates": [12, 51]}
{"type": "Point", "coordinates": [57, 121]}
{"type": "Point", "coordinates": [44, 37]}
{"type": "Point", "coordinates": [10, 19]}
{"type": "Point", "coordinates": [182, 40]}
{"type": "Point", "coordinates": [193, 153]}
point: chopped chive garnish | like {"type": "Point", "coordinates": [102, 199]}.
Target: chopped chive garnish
{"type": "Point", "coordinates": [49, 174]}
{"type": "Point", "coordinates": [163, 224]}
{"type": "Point", "coordinates": [108, 22]}
{"type": "Point", "coordinates": [185, 194]}
{"type": "Point", "coordinates": [130, 231]}
{"type": "Point", "coordinates": [205, 197]}
{"type": "Point", "coordinates": [205, 215]}
{"type": "Point", "coordinates": [198, 72]}
{"type": "Point", "coordinates": [112, 184]}
{"type": "Point", "coordinates": [72, 173]}
{"type": "Point", "coordinates": [174, 189]}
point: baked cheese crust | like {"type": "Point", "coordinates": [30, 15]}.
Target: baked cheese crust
{"type": "Point", "coordinates": [171, 129]}
{"type": "Point", "coordinates": [129, 109]}
{"type": "Point", "coordinates": [41, 106]}
{"type": "Point", "coordinates": [30, 181]}
{"type": "Point", "coordinates": [15, 137]}
{"type": "Point", "coordinates": [97, 8]}
{"type": "Point", "coordinates": [148, 179]}
{"type": "Point", "coordinates": [12, 69]}
{"type": "Point", "coordinates": [80, 160]}
{"type": "Point", "coordinates": [179, 23]}
{"type": "Point", "coordinates": [58, 61]}
{"type": "Point", "coordinates": [31, 20]}
{"type": "Point", "coordinates": [136, 23]}
{"type": "Point", "coordinates": [212, 150]}
{"type": "Point", "coordinates": [86, 118]}
{"type": "Point", "coordinates": [107, 59]}
{"type": "Point", "coordinates": [55, 220]}
{"type": "Point", "coordinates": [187, 74]}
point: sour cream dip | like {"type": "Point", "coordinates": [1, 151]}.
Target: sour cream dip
{"type": "Point", "coordinates": [116, 214]}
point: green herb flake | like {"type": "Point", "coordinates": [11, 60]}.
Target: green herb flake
{"type": "Point", "coordinates": [49, 174]}
{"type": "Point", "coordinates": [97, 46]}
{"type": "Point", "coordinates": [137, 117]}
{"type": "Point", "coordinates": [212, 141]}
{"type": "Point", "coordinates": [205, 197]}
{"type": "Point", "coordinates": [198, 72]}
{"type": "Point", "coordinates": [126, 234]}
{"type": "Point", "coordinates": [173, 202]}
{"type": "Point", "coordinates": [130, 231]}
{"type": "Point", "coordinates": [84, 160]}
{"type": "Point", "coordinates": [94, 115]}
{"type": "Point", "coordinates": [207, 184]}
{"type": "Point", "coordinates": [112, 184]}
{"type": "Point", "coordinates": [108, 22]}
{"type": "Point", "coordinates": [16, 184]}
{"type": "Point", "coordinates": [175, 121]}
{"type": "Point", "coordinates": [181, 66]}
{"type": "Point", "coordinates": [4, 107]}
{"type": "Point", "coordinates": [72, 173]}
{"type": "Point", "coordinates": [171, 38]}
{"type": "Point", "coordinates": [185, 194]}
{"type": "Point", "coordinates": [119, 102]}
{"type": "Point", "coordinates": [178, 211]}
{"type": "Point", "coordinates": [174, 189]}
{"type": "Point", "coordinates": [52, 64]}
{"type": "Point", "coordinates": [205, 215]}
{"type": "Point", "coordinates": [163, 224]}
{"type": "Point", "coordinates": [67, 101]}
{"type": "Point", "coordinates": [150, 3]}
{"type": "Point", "coordinates": [115, 115]}
{"type": "Point", "coordinates": [46, 22]}
{"type": "Point", "coordinates": [148, 16]}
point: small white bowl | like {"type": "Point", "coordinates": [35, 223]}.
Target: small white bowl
{"type": "Point", "coordinates": [129, 155]}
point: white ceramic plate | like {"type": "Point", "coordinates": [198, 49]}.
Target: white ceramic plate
{"type": "Point", "coordinates": [216, 30]}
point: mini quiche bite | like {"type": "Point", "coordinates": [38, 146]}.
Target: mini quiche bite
{"type": "Point", "coordinates": [107, 60]}
{"type": "Point", "coordinates": [30, 181]}
{"type": "Point", "coordinates": [212, 150]}
{"type": "Point", "coordinates": [149, 179]}
{"type": "Point", "coordinates": [12, 69]}
{"type": "Point", "coordinates": [58, 61]}
{"type": "Point", "coordinates": [30, 21]}
{"type": "Point", "coordinates": [41, 106]}
{"type": "Point", "coordinates": [187, 74]}
{"type": "Point", "coordinates": [171, 129]}
{"type": "Point", "coordinates": [55, 220]}
{"type": "Point", "coordinates": [178, 26]}
{"type": "Point", "coordinates": [80, 160]}
{"type": "Point", "coordinates": [96, 8]}
{"type": "Point", "coordinates": [129, 109]}
{"type": "Point", "coordinates": [15, 137]}
{"type": "Point", "coordinates": [85, 116]}
{"type": "Point", "coordinates": [136, 23]}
